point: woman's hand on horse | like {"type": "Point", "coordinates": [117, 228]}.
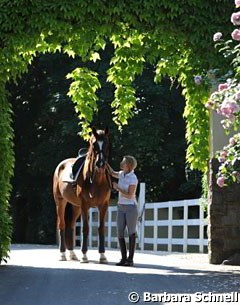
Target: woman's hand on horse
{"type": "Point", "coordinates": [111, 171]}
{"type": "Point", "coordinates": [115, 186]}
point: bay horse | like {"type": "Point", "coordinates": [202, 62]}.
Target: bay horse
{"type": "Point", "coordinates": [93, 189]}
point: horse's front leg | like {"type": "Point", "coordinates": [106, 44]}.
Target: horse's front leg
{"type": "Point", "coordinates": [85, 235]}
{"type": "Point", "coordinates": [101, 233]}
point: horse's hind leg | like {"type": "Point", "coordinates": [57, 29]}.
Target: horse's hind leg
{"type": "Point", "coordinates": [60, 209]}
{"type": "Point", "coordinates": [70, 232]}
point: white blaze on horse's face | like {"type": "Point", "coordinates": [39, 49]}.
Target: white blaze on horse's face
{"type": "Point", "coordinates": [100, 157]}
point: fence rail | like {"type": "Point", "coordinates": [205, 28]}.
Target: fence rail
{"type": "Point", "coordinates": [168, 226]}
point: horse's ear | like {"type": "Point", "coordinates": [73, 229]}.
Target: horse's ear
{"type": "Point", "coordinates": [94, 131]}
{"type": "Point", "coordinates": [106, 131]}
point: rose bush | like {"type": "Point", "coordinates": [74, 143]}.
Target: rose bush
{"type": "Point", "coordinates": [226, 102]}
{"type": "Point", "coordinates": [229, 158]}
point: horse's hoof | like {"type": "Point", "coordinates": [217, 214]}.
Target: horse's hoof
{"type": "Point", "coordinates": [103, 259]}
{"type": "Point", "coordinates": [84, 259]}
{"type": "Point", "coordinates": [62, 257]}
{"type": "Point", "coordinates": [73, 257]}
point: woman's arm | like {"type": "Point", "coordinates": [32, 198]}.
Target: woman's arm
{"type": "Point", "coordinates": [130, 193]}
{"type": "Point", "coordinates": [112, 172]}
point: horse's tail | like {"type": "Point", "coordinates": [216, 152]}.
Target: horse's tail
{"type": "Point", "coordinates": [58, 197]}
{"type": "Point", "coordinates": [68, 230]}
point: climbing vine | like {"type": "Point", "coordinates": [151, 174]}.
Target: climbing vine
{"type": "Point", "coordinates": [175, 36]}
{"type": "Point", "coordinates": [83, 93]}
{"type": "Point", "coordinates": [7, 162]}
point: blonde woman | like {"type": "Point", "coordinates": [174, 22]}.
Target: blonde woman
{"type": "Point", "coordinates": [127, 213]}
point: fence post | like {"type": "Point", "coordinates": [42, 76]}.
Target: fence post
{"type": "Point", "coordinates": [170, 218]}
{"type": "Point", "coordinates": [109, 226]}
{"type": "Point", "coordinates": [141, 201]}
{"type": "Point", "coordinates": [155, 228]}
{"type": "Point", "coordinates": [201, 229]}
{"type": "Point", "coordinates": [185, 226]}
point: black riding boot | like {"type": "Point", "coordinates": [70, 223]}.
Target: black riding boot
{"type": "Point", "coordinates": [123, 249]}
{"type": "Point", "coordinates": [132, 242]}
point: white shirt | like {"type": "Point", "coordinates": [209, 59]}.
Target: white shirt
{"type": "Point", "coordinates": [124, 180]}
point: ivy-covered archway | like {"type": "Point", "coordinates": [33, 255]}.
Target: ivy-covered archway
{"type": "Point", "coordinates": [175, 36]}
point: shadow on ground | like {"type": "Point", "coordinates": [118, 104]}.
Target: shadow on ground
{"type": "Point", "coordinates": [56, 286]}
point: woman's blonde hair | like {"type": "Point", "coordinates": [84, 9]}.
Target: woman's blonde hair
{"type": "Point", "coordinates": [131, 161]}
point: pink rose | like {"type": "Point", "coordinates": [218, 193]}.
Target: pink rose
{"type": "Point", "coordinates": [220, 181]}
{"type": "Point", "coordinates": [232, 141]}
{"type": "Point", "coordinates": [223, 153]}
{"type": "Point", "coordinates": [222, 157]}
{"type": "Point", "coordinates": [237, 96]}
{"type": "Point", "coordinates": [234, 106]}
{"type": "Point", "coordinates": [235, 18]}
{"type": "Point", "coordinates": [229, 107]}
{"type": "Point", "coordinates": [222, 86]}
{"type": "Point", "coordinates": [236, 35]}
{"type": "Point", "coordinates": [217, 36]}
{"type": "Point", "coordinates": [237, 3]}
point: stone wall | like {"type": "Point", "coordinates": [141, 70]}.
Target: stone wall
{"type": "Point", "coordinates": [224, 219]}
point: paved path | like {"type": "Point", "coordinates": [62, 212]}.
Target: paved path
{"type": "Point", "coordinates": [34, 276]}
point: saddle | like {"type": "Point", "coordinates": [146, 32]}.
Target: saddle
{"type": "Point", "coordinates": [77, 166]}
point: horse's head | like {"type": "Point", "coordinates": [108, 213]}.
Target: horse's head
{"type": "Point", "coordinates": [99, 145]}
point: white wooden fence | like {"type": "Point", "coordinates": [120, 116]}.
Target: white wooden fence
{"type": "Point", "coordinates": [166, 226]}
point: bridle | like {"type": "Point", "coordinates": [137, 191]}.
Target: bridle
{"type": "Point", "coordinates": [100, 153]}
{"type": "Point", "coordinates": [99, 150]}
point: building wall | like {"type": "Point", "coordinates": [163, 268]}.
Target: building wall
{"type": "Point", "coordinates": [224, 218]}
